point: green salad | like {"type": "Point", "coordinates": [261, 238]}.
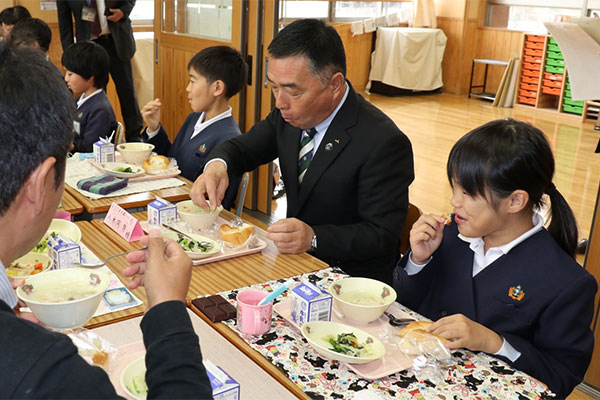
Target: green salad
{"type": "Point", "coordinates": [127, 170]}
{"type": "Point", "coordinates": [193, 246]}
{"type": "Point", "coordinates": [138, 384]}
{"type": "Point", "coordinates": [43, 245]}
{"type": "Point", "coordinates": [347, 343]}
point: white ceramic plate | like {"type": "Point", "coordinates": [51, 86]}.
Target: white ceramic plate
{"type": "Point", "coordinates": [135, 371]}
{"type": "Point", "coordinates": [196, 255]}
{"type": "Point", "coordinates": [111, 169]}
{"type": "Point", "coordinates": [317, 333]}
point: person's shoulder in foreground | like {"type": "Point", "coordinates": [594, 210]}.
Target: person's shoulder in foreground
{"type": "Point", "coordinates": [36, 132]}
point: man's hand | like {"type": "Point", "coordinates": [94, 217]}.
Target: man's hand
{"type": "Point", "coordinates": [164, 269]}
{"type": "Point", "coordinates": [291, 235]}
{"type": "Point", "coordinates": [212, 183]}
{"type": "Point", "coordinates": [151, 114]}
{"type": "Point", "coordinates": [116, 15]}
{"type": "Point", "coordinates": [467, 334]}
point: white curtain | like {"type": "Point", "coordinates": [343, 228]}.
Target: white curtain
{"type": "Point", "coordinates": [424, 14]}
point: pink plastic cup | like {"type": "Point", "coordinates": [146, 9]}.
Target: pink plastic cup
{"type": "Point", "coordinates": [253, 319]}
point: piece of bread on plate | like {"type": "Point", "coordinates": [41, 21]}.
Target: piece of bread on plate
{"type": "Point", "coordinates": [155, 164]}
{"type": "Point", "coordinates": [236, 235]}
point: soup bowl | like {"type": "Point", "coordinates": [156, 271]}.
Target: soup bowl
{"type": "Point", "coordinates": [195, 216]}
{"type": "Point", "coordinates": [135, 152]}
{"type": "Point", "coordinates": [64, 298]}
{"type": "Point", "coordinates": [361, 299]}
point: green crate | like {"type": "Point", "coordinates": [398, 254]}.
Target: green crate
{"type": "Point", "coordinates": [554, 48]}
{"type": "Point", "coordinates": [571, 102]}
{"type": "Point", "coordinates": [572, 109]}
{"type": "Point", "coordinates": [555, 55]}
{"type": "Point", "coordinates": [551, 40]}
{"type": "Point", "coordinates": [568, 86]}
{"type": "Point", "coordinates": [555, 70]}
{"type": "Point", "coordinates": [555, 63]}
{"type": "Point", "coordinates": [567, 94]}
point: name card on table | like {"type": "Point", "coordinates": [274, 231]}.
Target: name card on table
{"type": "Point", "coordinates": [125, 224]}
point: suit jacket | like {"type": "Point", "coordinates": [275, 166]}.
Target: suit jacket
{"type": "Point", "coordinates": [191, 154]}
{"type": "Point", "coordinates": [96, 119]}
{"type": "Point", "coordinates": [37, 363]}
{"type": "Point", "coordinates": [121, 31]}
{"type": "Point", "coordinates": [536, 297]}
{"type": "Point", "coordinates": [354, 194]}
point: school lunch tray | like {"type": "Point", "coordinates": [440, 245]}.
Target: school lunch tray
{"type": "Point", "coordinates": [393, 361]}
{"type": "Point", "coordinates": [254, 244]}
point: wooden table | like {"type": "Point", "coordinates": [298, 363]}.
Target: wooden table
{"type": "Point", "coordinates": [103, 247]}
{"type": "Point", "coordinates": [172, 194]}
{"type": "Point", "coordinates": [254, 382]}
{"type": "Point", "coordinates": [70, 204]}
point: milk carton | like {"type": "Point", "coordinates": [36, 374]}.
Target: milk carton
{"type": "Point", "coordinates": [224, 386]}
{"type": "Point", "coordinates": [63, 251]}
{"type": "Point", "coordinates": [161, 212]}
{"type": "Point", "coordinates": [309, 303]}
{"type": "Point", "coordinates": [104, 151]}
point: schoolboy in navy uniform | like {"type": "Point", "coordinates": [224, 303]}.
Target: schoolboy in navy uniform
{"type": "Point", "coordinates": [87, 66]}
{"type": "Point", "coordinates": [216, 74]}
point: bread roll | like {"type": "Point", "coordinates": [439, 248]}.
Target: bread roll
{"type": "Point", "coordinates": [155, 164]}
{"type": "Point", "coordinates": [415, 339]}
{"type": "Point", "coordinates": [236, 235]}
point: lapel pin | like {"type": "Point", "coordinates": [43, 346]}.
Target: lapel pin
{"type": "Point", "coordinates": [516, 292]}
{"type": "Point", "coordinates": [328, 147]}
{"type": "Point", "coordinates": [202, 148]}
{"type": "Point", "coordinates": [337, 141]}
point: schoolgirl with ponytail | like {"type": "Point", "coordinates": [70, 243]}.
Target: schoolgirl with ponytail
{"type": "Point", "coordinates": [496, 280]}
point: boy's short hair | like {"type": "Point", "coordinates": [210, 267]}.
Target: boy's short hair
{"type": "Point", "coordinates": [36, 121]}
{"type": "Point", "coordinates": [221, 63]}
{"type": "Point", "coordinates": [12, 15]}
{"type": "Point", "coordinates": [88, 59]}
{"type": "Point", "coordinates": [28, 31]}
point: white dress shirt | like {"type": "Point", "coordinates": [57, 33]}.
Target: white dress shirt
{"type": "Point", "coordinates": [100, 8]}
{"type": "Point", "coordinates": [7, 293]}
{"type": "Point", "coordinates": [83, 98]}
{"type": "Point", "coordinates": [481, 260]}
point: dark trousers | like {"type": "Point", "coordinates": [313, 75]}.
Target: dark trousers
{"type": "Point", "coordinates": [66, 10]}
{"type": "Point", "coordinates": [122, 74]}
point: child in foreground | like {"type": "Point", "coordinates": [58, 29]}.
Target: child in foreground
{"type": "Point", "coordinates": [216, 74]}
{"type": "Point", "coordinates": [87, 66]}
{"type": "Point", "coordinates": [496, 280]}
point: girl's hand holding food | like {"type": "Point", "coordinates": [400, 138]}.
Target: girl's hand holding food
{"type": "Point", "coordinates": [425, 237]}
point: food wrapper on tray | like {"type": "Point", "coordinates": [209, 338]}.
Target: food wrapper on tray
{"type": "Point", "coordinates": [93, 348]}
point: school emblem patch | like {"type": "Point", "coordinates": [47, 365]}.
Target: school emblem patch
{"type": "Point", "coordinates": [516, 293]}
{"type": "Point", "coordinates": [202, 148]}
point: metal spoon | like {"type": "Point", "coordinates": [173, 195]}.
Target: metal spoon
{"type": "Point", "coordinates": [398, 321]}
{"type": "Point", "coordinates": [103, 263]}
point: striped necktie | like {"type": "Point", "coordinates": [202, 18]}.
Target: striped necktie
{"type": "Point", "coordinates": [306, 152]}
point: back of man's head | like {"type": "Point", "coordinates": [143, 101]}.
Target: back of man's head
{"type": "Point", "coordinates": [29, 31]}
{"type": "Point", "coordinates": [12, 15]}
{"type": "Point", "coordinates": [222, 63]}
{"type": "Point", "coordinates": [315, 40]}
{"type": "Point", "coordinates": [88, 59]}
{"type": "Point", "coordinates": [36, 119]}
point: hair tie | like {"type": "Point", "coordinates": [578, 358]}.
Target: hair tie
{"type": "Point", "coordinates": [551, 189]}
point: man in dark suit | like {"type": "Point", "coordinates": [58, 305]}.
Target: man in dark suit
{"type": "Point", "coordinates": [66, 11]}
{"type": "Point", "coordinates": [39, 363]}
{"type": "Point", "coordinates": [113, 32]}
{"type": "Point", "coordinates": [346, 166]}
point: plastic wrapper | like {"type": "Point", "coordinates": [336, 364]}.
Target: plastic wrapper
{"type": "Point", "coordinates": [431, 357]}
{"type": "Point", "coordinates": [236, 223]}
{"type": "Point", "coordinates": [93, 348]}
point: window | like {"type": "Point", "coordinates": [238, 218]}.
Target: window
{"type": "Point", "coordinates": [340, 10]}
{"type": "Point", "coordinates": [142, 13]}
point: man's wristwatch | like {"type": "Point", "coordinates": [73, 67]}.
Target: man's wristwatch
{"type": "Point", "coordinates": [313, 243]}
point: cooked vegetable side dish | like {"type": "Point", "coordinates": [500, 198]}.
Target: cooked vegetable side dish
{"type": "Point", "coordinates": [347, 343]}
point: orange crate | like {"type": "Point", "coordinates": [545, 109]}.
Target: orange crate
{"type": "Point", "coordinates": [527, 100]}
{"type": "Point", "coordinates": [533, 66]}
{"type": "Point", "coordinates": [531, 73]}
{"type": "Point", "coordinates": [552, 84]}
{"type": "Point", "coordinates": [528, 79]}
{"type": "Point", "coordinates": [534, 53]}
{"type": "Point", "coordinates": [553, 77]}
{"type": "Point", "coordinates": [527, 86]}
{"type": "Point", "coordinates": [530, 59]}
{"type": "Point", "coordinates": [549, 90]}
{"type": "Point", "coordinates": [535, 38]}
{"type": "Point", "coordinates": [527, 93]}
{"type": "Point", "coordinates": [534, 45]}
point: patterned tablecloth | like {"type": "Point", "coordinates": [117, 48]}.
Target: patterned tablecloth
{"type": "Point", "coordinates": [468, 375]}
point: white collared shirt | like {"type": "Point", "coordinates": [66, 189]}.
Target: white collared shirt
{"type": "Point", "coordinates": [200, 124]}
{"type": "Point", "coordinates": [83, 98]}
{"type": "Point", "coordinates": [7, 293]}
{"type": "Point", "coordinates": [100, 8]}
{"type": "Point", "coordinates": [481, 260]}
